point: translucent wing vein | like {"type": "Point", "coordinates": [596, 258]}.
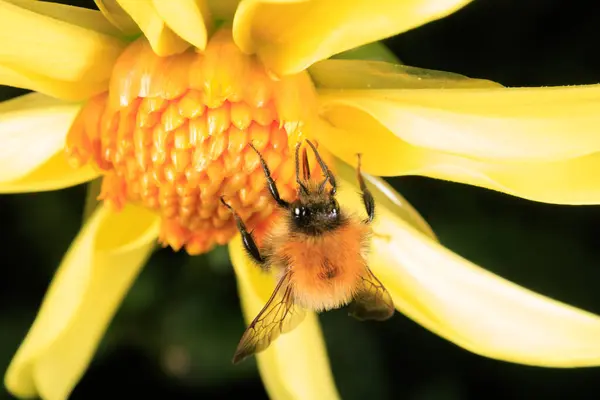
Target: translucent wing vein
{"type": "Point", "coordinates": [279, 315]}
{"type": "Point", "coordinates": [371, 301]}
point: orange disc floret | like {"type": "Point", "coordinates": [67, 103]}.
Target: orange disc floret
{"type": "Point", "coordinates": [172, 134]}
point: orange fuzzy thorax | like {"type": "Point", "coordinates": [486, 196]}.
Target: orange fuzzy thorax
{"type": "Point", "coordinates": [326, 269]}
{"type": "Point", "coordinates": [172, 134]}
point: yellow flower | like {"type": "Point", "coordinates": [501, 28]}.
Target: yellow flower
{"type": "Point", "coordinates": [169, 135]}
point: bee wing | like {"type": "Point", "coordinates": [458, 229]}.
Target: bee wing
{"type": "Point", "coordinates": [279, 315]}
{"type": "Point", "coordinates": [372, 300]}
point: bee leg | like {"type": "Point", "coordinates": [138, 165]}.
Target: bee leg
{"type": "Point", "coordinates": [247, 239]}
{"type": "Point", "coordinates": [270, 182]}
{"type": "Point", "coordinates": [366, 194]}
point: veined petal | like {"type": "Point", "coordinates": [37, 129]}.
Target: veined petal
{"type": "Point", "coordinates": [190, 19]}
{"type": "Point", "coordinates": [114, 13]}
{"type": "Point", "coordinates": [289, 36]}
{"type": "Point", "coordinates": [571, 181]}
{"type": "Point", "coordinates": [61, 33]}
{"type": "Point", "coordinates": [472, 307]}
{"type": "Point", "coordinates": [295, 366]}
{"type": "Point", "coordinates": [526, 124]}
{"type": "Point", "coordinates": [87, 289]}
{"type": "Point", "coordinates": [163, 40]}
{"type": "Point", "coordinates": [64, 90]}
{"type": "Point", "coordinates": [33, 128]}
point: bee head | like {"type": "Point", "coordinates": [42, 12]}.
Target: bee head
{"type": "Point", "coordinates": [316, 210]}
{"type": "Point", "coordinates": [315, 213]}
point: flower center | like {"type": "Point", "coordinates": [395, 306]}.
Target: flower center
{"type": "Point", "coordinates": [172, 134]}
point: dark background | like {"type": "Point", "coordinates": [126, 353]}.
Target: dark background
{"type": "Point", "coordinates": [175, 333]}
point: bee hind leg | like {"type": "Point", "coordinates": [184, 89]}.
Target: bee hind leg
{"type": "Point", "coordinates": [367, 197]}
{"type": "Point", "coordinates": [247, 238]}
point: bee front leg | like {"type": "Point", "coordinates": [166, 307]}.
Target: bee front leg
{"type": "Point", "coordinates": [368, 200]}
{"type": "Point", "coordinates": [271, 185]}
{"type": "Point", "coordinates": [247, 238]}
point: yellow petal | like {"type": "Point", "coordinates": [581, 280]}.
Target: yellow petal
{"type": "Point", "coordinates": [87, 289]}
{"type": "Point", "coordinates": [571, 181]}
{"type": "Point", "coordinates": [65, 90]}
{"type": "Point", "coordinates": [289, 36]}
{"type": "Point", "coordinates": [375, 51]}
{"type": "Point", "coordinates": [114, 13]}
{"type": "Point", "coordinates": [61, 33]}
{"type": "Point", "coordinates": [295, 366]}
{"type": "Point", "coordinates": [79, 16]}
{"type": "Point", "coordinates": [472, 307]}
{"type": "Point", "coordinates": [163, 40]}
{"type": "Point", "coordinates": [93, 190]}
{"type": "Point", "coordinates": [528, 124]}
{"type": "Point", "coordinates": [190, 19]}
{"type": "Point", "coordinates": [375, 75]}
{"type": "Point", "coordinates": [54, 174]}
{"type": "Point", "coordinates": [33, 128]}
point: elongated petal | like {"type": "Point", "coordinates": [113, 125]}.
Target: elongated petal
{"type": "Point", "coordinates": [295, 366]}
{"type": "Point", "coordinates": [571, 181]}
{"type": "Point", "coordinates": [33, 129]}
{"type": "Point", "coordinates": [87, 289]}
{"type": "Point", "coordinates": [190, 19]}
{"type": "Point", "coordinates": [163, 40]}
{"type": "Point", "coordinates": [289, 36]}
{"type": "Point", "coordinates": [474, 308]}
{"type": "Point", "coordinates": [93, 190]}
{"type": "Point", "coordinates": [373, 75]}
{"type": "Point", "coordinates": [78, 16]}
{"type": "Point", "coordinates": [64, 90]}
{"type": "Point", "coordinates": [54, 174]}
{"type": "Point", "coordinates": [114, 13]}
{"type": "Point", "coordinates": [528, 124]}
{"type": "Point", "coordinates": [375, 51]}
{"type": "Point", "coordinates": [61, 33]}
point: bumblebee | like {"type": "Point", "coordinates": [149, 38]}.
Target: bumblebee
{"type": "Point", "coordinates": [318, 253]}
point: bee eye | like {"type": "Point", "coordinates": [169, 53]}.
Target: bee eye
{"type": "Point", "coordinates": [301, 211]}
{"type": "Point", "coordinates": [334, 208]}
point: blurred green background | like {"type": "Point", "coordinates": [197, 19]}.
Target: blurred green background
{"type": "Point", "coordinates": [176, 331]}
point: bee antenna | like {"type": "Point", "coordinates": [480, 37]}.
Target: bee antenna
{"type": "Point", "coordinates": [305, 165]}
{"type": "Point", "coordinates": [328, 175]}
{"type": "Point", "coordinates": [298, 180]}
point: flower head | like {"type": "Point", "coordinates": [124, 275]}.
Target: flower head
{"type": "Point", "coordinates": [166, 117]}
{"type": "Point", "coordinates": [176, 139]}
